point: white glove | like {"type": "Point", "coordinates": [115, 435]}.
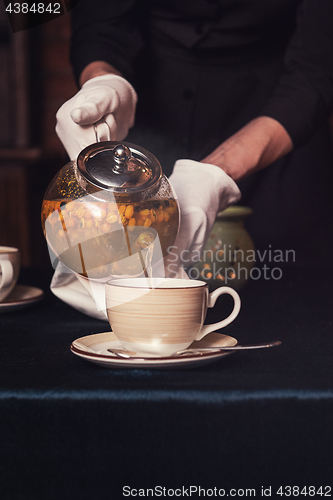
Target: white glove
{"type": "Point", "coordinates": [202, 190]}
{"type": "Point", "coordinates": [107, 97]}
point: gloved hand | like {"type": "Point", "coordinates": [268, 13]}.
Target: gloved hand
{"type": "Point", "coordinates": [202, 190]}
{"type": "Point", "coordinates": [108, 97]}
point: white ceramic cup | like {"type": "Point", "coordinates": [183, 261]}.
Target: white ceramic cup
{"type": "Point", "coordinates": [9, 270]}
{"type": "Point", "coordinates": [162, 316]}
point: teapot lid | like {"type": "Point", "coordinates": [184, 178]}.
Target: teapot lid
{"type": "Point", "coordinates": [119, 166]}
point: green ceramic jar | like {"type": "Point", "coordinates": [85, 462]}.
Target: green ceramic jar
{"type": "Point", "coordinates": [229, 253]}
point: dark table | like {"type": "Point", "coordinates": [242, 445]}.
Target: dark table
{"type": "Point", "coordinates": [255, 419]}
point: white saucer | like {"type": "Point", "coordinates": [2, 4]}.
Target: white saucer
{"type": "Point", "coordinates": [22, 296]}
{"type": "Point", "coordinates": [95, 347]}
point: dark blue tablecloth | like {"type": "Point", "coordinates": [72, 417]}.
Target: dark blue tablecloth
{"type": "Point", "coordinates": [73, 430]}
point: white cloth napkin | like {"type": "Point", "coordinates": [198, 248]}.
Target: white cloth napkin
{"type": "Point", "coordinates": [84, 295]}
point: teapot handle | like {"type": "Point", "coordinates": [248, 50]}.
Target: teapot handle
{"type": "Point", "coordinates": [102, 131]}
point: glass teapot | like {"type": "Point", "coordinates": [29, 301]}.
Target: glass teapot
{"type": "Point", "coordinates": [110, 213]}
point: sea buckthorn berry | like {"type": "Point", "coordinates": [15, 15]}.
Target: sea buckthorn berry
{"type": "Point", "coordinates": [123, 219]}
{"type": "Point", "coordinates": [145, 239]}
{"type": "Point", "coordinates": [132, 221]}
{"type": "Point", "coordinates": [147, 223]}
{"type": "Point", "coordinates": [129, 211]}
{"type": "Point", "coordinates": [105, 227]}
{"type": "Point", "coordinates": [111, 218]}
{"type": "Point", "coordinates": [166, 216]}
{"type": "Point", "coordinates": [144, 213]}
{"type": "Point", "coordinates": [122, 209]}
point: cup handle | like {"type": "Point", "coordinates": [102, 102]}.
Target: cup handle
{"type": "Point", "coordinates": [211, 302]}
{"type": "Point", "coordinates": [7, 273]}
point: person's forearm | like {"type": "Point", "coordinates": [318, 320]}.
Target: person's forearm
{"type": "Point", "coordinates": [255, 146]}
{"type": "Point", "coordinates": [97, 68]}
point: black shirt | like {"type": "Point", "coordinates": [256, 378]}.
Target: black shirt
{"type": "Point", "coordinates": [223, 33]}
{"type": "Point", "coordinates": [205, 68]}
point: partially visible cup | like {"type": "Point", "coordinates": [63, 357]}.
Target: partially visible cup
{"type": "Point", "coordinates": [161, 316]}
{"type": "Point", "coordinates": [9, 270]}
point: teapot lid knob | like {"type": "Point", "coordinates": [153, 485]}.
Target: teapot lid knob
{"type": "Point", "coordinates": [121, 154]}
{"type": "Point", "coordinates": [122, 167]}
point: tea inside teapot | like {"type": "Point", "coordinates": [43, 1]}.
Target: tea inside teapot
{"type": "Point", "coordinates": [101, 232]}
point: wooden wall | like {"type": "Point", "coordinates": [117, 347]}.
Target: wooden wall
{"type": "Point", "coordinates": [36, 78]}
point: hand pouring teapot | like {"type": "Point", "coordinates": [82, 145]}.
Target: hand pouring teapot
{"type": "Point", "coordinates": [111, 213]}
